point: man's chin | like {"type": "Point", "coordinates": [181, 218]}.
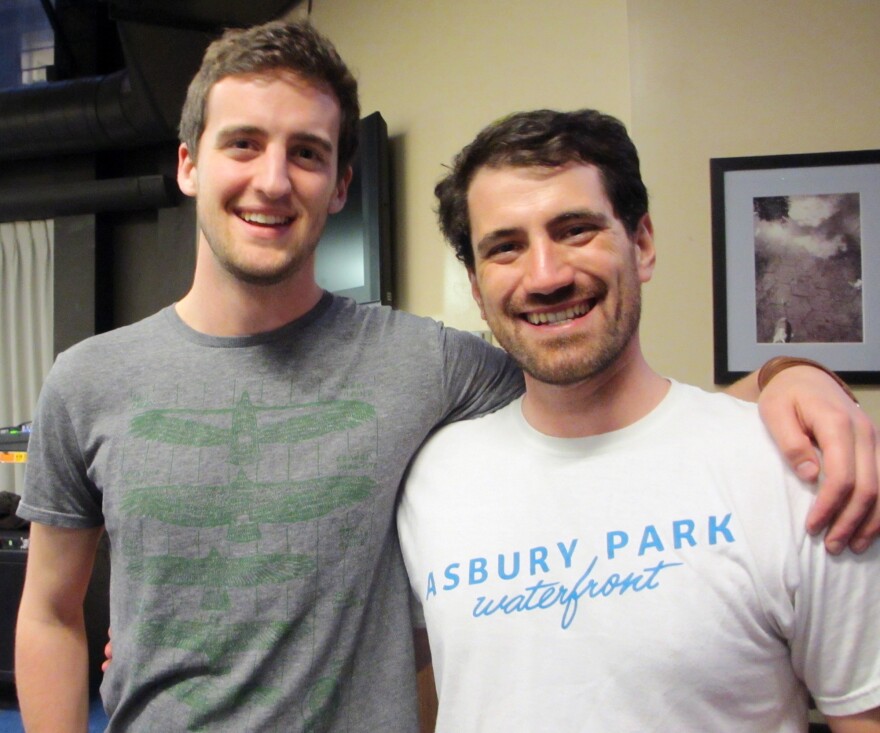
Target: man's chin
{"type": "Point", "coordinates": [260, 279]}
{"type": "Point", "coordinates": [559, 375]}
{"type": "Point", "coordinates": [266, 277]}
{"type": "Point", "coordinates": [565, 366]}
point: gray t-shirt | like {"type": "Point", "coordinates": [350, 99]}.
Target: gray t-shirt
{"type": "Point", "coordinates": [248, 488]}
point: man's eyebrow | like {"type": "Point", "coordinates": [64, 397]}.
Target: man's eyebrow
{"type": "Point", "coordinates": [590, 215]}
{"type": "Point", "coordinates": [312, 139]}
{"type": "Point", "coordinates": [252, 130]}
{"type": "Point", "coordinates": [224, 133]}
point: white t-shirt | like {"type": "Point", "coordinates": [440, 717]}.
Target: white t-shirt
{"type": "Point", "coordinates": [655, 578]}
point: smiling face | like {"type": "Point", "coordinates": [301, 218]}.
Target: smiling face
{"type": "Point", "coordinates": [556, 275]}
{"type": "Point", "coordinates": [265, 175]}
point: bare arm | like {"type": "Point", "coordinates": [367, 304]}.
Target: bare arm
{"type": "Point", "coordinates": [51, 655]}
{"type": "Point", "coordinates": [867, 722]}
{"type": "Point", "coordinates": [805, 409]}
{"type": "Point", "coordinates": [425, 681]}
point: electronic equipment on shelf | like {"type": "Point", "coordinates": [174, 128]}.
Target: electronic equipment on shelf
{"type": "Point", "coordinates": [14, 442]}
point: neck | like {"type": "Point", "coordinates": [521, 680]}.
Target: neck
{"type": "Point", "coordinates": [622, 394]}
{"type": "Point", "coordinates": [219, 304]}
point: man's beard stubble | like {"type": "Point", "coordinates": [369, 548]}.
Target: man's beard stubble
{"type": "Point", "coordinates": [572, 359]}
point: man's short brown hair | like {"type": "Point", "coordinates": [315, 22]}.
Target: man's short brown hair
{"type": "Point", "coordinates": [275, 46]}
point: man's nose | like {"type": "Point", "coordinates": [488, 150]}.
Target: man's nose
{"type": "Point", "coordinates": [548, 267]}
{"type": "Point", "coordinates": [273, 173]}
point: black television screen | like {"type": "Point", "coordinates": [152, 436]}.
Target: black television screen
{"type": "Point", "coordinates": [354, 257]}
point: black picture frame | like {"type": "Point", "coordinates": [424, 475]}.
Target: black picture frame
{"type": "Point", "coordinates": [796, 262]}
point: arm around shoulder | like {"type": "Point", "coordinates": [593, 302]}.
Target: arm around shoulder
{"type": "Point", "coordinates": [806, 406]}
{"type": "Point", "coordinates": [51, 654]}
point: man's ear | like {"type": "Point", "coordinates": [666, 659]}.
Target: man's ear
{"type": "Point", "coordinates": [646, 254]}
{"type": "Point", "coordinates": [187, 178]}
{"type": "Point", "coordinates": [340, 194]}
{"type": "Point", "coordinates": [475, 291]}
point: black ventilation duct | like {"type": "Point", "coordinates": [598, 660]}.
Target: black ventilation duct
{"type": "Point", "coordinates": [49, 201]}
{"type": "Point", "coordinates": [81, 115]}
{"type": "Point", "coordinates": [205, 15]}
{"type": "Point", "coordinates": [135, 106]}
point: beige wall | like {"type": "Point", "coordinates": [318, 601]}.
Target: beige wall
{"type": "Point", "coordinates": [693, 79]}
{"type": "Point", "coordinates": [438, 71]}
{"type": "Point", "coordinates": [718, 79]}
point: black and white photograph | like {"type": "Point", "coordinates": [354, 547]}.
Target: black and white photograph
{"type": "Point", "coordinates": [808, 269]}
{"type": "Point", "coordinates": [796, 261]}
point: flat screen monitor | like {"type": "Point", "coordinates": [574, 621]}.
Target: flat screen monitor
{"type": "Point", "coordinates": [355, 255]}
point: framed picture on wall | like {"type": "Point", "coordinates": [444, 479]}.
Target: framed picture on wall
{"type": "Point", "coordinates": [796, 262]}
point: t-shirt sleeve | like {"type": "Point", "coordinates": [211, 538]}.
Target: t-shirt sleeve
{"type": "Point", "coordinates": [57, 489]}
{"type": "Point", "coordinates": [836, 644]}
{"type": "Point", "coordinates": [479, 378]}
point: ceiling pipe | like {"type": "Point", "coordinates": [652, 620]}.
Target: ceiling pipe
{"type": "Point", "coordinates": [49, 201]}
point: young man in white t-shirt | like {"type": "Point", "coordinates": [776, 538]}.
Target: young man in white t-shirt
{"type": "Point", "coordinates": [614, 551]}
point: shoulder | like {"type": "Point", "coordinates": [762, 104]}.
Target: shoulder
{"type": "Point", "coordinates": [730, 438]}
{"type": "Point", "coordinates": [88, 368]}
{"type": "Point", "coordinates": [122, 336]}
{"type": "Point", "coordinates": [721, 438]}
{"type": "Point", "coordinates": [452, 459]}
{"type": "Point", "coordinates": [379, 319]}
{"type": "Point", "coordinates": [472, 435]}
{"type": "Point", "coordinates": [719, 414]}
{"type": "Point", "coordinates": [401, 330]}
{"type": "Point", "coordinates": [718, 403]}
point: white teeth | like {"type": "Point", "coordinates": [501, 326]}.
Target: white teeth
{"type": "Point", "coordinates": [536, 319]}
{"type": "Point", "coordinates": [268, 219]}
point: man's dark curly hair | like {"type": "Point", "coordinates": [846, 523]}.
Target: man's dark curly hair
{"type": "Point", "coordinates": [544, 138]}
{"type": "Point", "coordinates": [275, 46]}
